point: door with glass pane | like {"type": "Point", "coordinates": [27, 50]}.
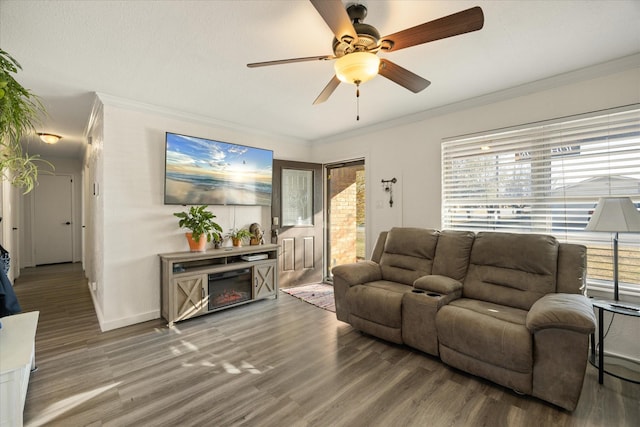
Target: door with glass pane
{"type": "Point", "coordinates": [296, 212]}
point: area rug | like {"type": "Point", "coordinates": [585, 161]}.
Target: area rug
{"type": "Point", "coordinates": [318, 294]}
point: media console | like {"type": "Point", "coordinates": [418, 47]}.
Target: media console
{"type": "Point", "coordinates": [197, 283]}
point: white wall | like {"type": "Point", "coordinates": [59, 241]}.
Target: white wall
{"type": "Point", "coordinates": [411, 152]}
{"type": "Point", "coordinates": [94, 208]}
{"type": "Point", "coordinates": [131, 224]}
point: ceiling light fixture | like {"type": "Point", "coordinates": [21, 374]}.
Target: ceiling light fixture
{"type": "Point", "coordinates": [357, 67]}
{"type": "Point", "coordinates": [49, 138]}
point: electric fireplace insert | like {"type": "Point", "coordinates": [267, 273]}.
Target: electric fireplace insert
{"type": "Point", "coordinates": [229, 287]}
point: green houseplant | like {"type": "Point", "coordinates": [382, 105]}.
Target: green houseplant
{"type": "Point", "coordinates": [237, 235]}
{"type": "Point", "coordinates": [20, 112]}
{"type": "Point", "coordinates": [203, 228]}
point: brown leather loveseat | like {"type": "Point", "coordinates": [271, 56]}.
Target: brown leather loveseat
{"type": "Point", "coordinates": [503, 306]}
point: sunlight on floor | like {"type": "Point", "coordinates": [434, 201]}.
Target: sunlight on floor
{"type": "Point", "coordinates": [228, 367]}
{"type": "Point", "coordinates": [58, 408]}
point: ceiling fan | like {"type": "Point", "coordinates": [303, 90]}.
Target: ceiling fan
{"type": "Point", "coordinates": [356, 45]}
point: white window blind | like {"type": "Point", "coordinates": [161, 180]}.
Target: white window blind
{"type": "Point", "coordinates": [547, 178]}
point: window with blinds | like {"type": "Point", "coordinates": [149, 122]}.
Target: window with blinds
{"type": "Point", "coordinates": [547, 178]}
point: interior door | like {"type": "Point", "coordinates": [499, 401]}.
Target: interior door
{"type": "Point", "coordinates": [53, 237]}
{"type": "Point", "coordinates": [297, 226]}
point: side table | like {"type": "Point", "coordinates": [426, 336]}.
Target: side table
{"type": "Point", "coordinates": [615, 307]}
{"type": "Point", "coordinates": [17, 360]}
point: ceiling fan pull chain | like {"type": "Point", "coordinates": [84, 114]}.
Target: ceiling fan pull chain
{"type": "Point", "coordinates": [357, 100]}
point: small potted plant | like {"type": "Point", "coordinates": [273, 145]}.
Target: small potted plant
{"type": "Point", "coordinates": [203, 227]}
{"type": "Point", "coordinates": [237, 235]}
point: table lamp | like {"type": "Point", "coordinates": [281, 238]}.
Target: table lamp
{"type": "Point", "coordinates": [615, 215]}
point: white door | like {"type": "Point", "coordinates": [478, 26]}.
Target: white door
{"type": "Point", "coordinates": [53, 237]}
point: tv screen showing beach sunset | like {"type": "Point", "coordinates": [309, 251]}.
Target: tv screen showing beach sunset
{"type": "Point", "coordinates": [206, 172]}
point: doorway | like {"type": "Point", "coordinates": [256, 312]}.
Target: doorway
{"type": "Point", "coordinates": [346, 217]}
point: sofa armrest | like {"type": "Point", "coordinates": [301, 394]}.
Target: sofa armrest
{"type": "Point", "coordinates": [572, 312]}
{"type": "Point", "coordinates": [441, 284]}
{"type": "Point", "coordinates": [358, 272]}
{"type": "Point", "coordinates": [347, 275]}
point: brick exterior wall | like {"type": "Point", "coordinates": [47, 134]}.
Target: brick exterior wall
{"type": "Point", "coordinates": [346, 191]}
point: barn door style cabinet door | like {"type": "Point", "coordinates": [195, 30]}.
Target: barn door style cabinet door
{"type": "Point", "coordinates": [190, 296]}
{"type": "Point", "coordinates": [197, 283]}
{"type": "Point", "coordinates": [264, 280]}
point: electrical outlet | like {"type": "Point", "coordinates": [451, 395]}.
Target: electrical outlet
{"type": "Point", "coordinates": [94, 286]}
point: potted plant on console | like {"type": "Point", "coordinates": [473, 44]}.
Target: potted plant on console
{"type": "Point", "coordinates": [237, 235]}
{"type": "Point", "coordinates": [203, 228]}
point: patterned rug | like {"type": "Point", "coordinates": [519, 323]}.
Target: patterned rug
{"type": "Point", "coordinates": [318, 294]}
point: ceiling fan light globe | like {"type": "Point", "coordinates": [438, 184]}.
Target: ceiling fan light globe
{"type": "Point", "coordinates": [357, 67]}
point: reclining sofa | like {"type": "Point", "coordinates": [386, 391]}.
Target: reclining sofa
{"type": "Point", "coordinates": [503, 306]}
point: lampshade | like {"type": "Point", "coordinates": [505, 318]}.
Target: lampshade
{"type": "Point", "coordinates": [357, 67]}
{"type": "Point", "coordinates": [49, 138]}
{"type": "Point", "coordinates": [615, 214]}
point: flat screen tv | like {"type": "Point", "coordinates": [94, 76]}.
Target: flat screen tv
{"type": "Point", "coordinates": [202, 171]}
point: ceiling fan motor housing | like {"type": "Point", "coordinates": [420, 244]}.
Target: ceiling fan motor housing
{"type": "Point", "coordinates": [368, 35]}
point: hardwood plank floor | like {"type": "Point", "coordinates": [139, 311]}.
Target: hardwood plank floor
{"type": "Point", "coordinates": [277, 362]}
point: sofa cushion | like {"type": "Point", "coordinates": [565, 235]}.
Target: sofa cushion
{"type": "Point", "coordinates": [452, 253]}
{"type": "Point", "coordinates": [379, 302]}
{"type": "Point", "coordinates": [408, 254]}
{"type": "Point", "coordinates": [486, 331]}
{"type": "Point", "coordinates": [511, 269]}
{"type": "Point", "coordinates": [572, 268]}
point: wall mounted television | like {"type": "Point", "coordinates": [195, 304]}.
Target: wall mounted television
{"type": "Point", "coordinates": [202, 171]}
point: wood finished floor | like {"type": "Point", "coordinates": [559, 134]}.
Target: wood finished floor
{"type": "Point", "coordinates": [277, 362]}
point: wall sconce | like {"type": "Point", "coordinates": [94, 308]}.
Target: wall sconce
{"type": "Point", "coordinates": [49, 138]}
{"type": "Point", "coordinates": [387, 185]}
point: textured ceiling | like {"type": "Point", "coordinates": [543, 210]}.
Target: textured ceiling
{"type": "Point", "coordinates": [191, 56]}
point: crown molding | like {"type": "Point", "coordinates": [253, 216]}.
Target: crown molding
{"type": "Point", "coordinates": [128, 104]}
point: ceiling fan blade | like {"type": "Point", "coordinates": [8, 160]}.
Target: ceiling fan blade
{"type": "Point", "coordinates": [448, 26]}
{"type": "Point", "coordinates": [327, 91]}
{"type": "Point", "coordinates": [289, 61]}
{"type": "Point", "coordinates": [335, 15]}
{"type": "Point", "coordinates": [402, 76]}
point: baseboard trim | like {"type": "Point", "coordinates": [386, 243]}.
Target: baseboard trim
{"type": "Point", "coordinates": [127, 321]}
{"type": "Point", "coordinates": [108, 325]}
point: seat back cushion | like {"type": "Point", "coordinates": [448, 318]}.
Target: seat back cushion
{"type": "Point", "coordinates": [408, 254]}
{"type": "Point", "coordinates": [378, 248]}
{"type": "Point", "coordinates": [452, 254]}
{"type": "Point", "coordinates": [511, 269]}
{"type": "Point", "coordinates": [572, 268]}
